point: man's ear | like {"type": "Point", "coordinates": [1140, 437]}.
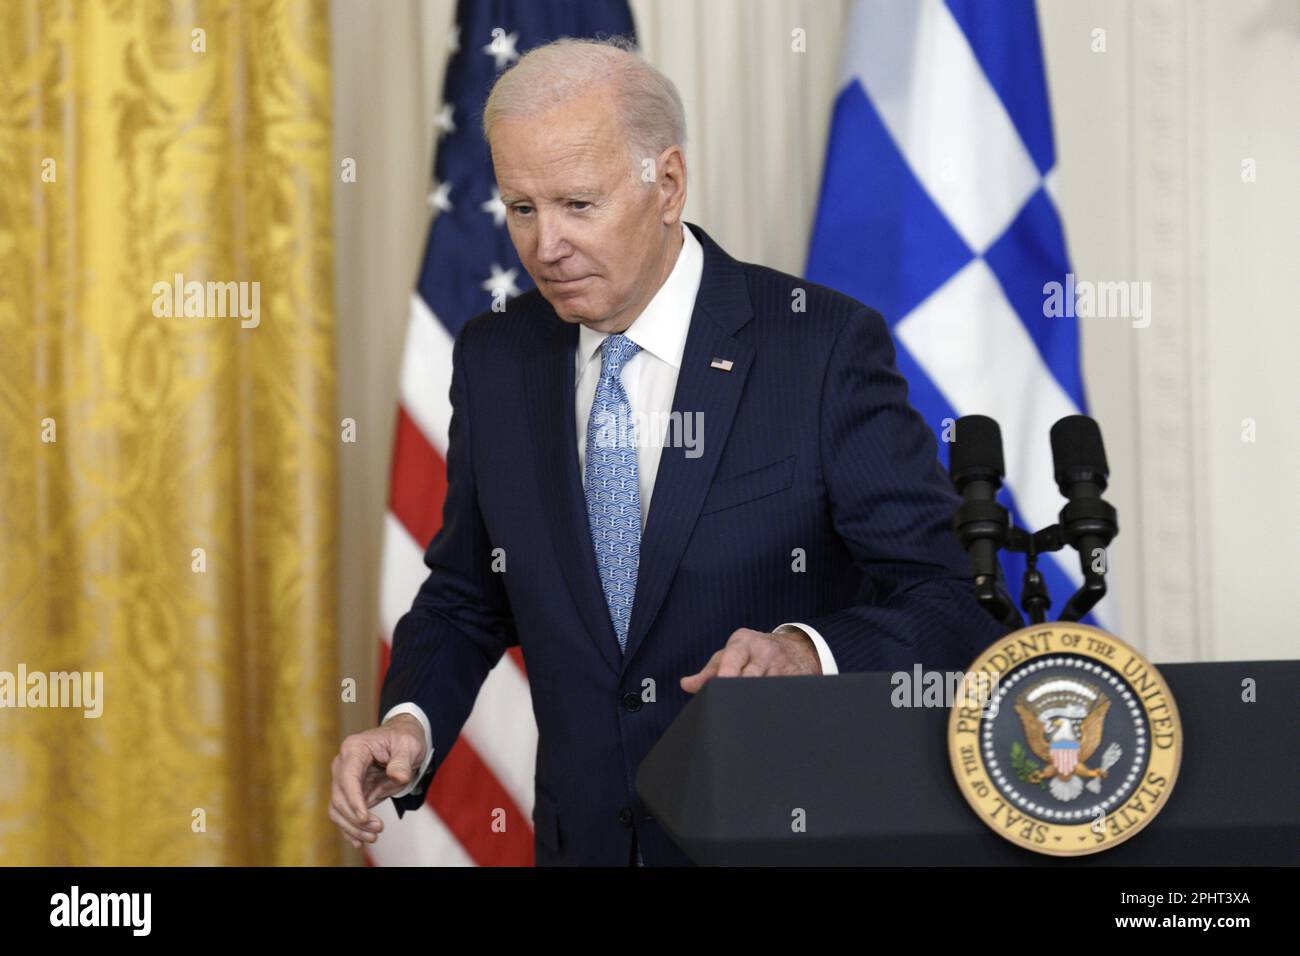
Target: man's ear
{"type": "Point", "coordinates": [672, 179]}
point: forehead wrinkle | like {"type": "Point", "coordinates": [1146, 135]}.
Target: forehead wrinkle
{"type": "Point", "coordinates": [581, 162]}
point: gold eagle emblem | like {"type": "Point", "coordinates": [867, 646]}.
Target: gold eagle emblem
{"type": "Point", "coordinates": [1063, 720]}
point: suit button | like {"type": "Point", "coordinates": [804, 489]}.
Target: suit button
{"type": "Point", "coordinates": [632, 701]}
{"type": "Point", "coordinates": [625, 816]}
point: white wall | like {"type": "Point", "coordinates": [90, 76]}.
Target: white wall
{"type": "Point", "coordinates": [1150, 137]}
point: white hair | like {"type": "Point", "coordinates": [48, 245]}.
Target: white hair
{"type": "Point", "coordinates": [649, 106]}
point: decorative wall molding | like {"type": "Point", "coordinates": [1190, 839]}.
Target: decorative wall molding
{"type": "Point", "coordinates": [1170, 373]}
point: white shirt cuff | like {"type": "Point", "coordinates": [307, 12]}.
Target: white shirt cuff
{"type": "Point", "coordinates": [418, 713]}
{"type": "Point", "coordinates": [823, 649]}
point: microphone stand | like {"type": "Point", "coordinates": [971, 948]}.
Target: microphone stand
{"type": "Point", "coordinates": [1034, 597]}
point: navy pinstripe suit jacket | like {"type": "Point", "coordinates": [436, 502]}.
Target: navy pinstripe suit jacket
{"type": "Point", "coordinates": [808, 443]}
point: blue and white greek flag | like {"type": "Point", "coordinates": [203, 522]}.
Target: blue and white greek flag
{"type": "Point", "coordinates": [937, 208]}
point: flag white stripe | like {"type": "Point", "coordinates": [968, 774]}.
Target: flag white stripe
{"type": "Point", "coordinates": [419, 838]}
{"type": "Point", "coordinates": [426, 374]}
{"type": "Point", "coordinates": [402, 571]}
{"type": "Point", "coordinates": [960, 143]}
{"type": "Point", "coordinates": [502, 729]}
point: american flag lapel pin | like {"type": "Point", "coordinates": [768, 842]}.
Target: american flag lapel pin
{"type": "Point", "coordinates": [724, 364]}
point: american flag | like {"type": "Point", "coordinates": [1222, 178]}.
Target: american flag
{"type": "Point", "coordinates": [468, 259]}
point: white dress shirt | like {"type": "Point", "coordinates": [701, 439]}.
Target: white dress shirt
{"type": "Point", "coordinates": [650, 379]}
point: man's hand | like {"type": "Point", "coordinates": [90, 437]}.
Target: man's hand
{"type": "Point", "coordinates": [751, 653]}
{"type": "Point", "coordinates": [372, 766]}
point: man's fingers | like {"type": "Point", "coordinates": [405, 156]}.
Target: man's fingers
{"type": "Point", "coordinates": [340, 813]}
{"type": "Point", "coordinates": [753, 669]}
{"type": "Point", "coordinates": [356, 760]}
{"type": "Point", "coordinates": [377, 787]}
{"type": "Point", "coordinates": [406, 754]}
{"type": "Point", "coordinates": [693, 682]}
{"type": "Point", "coordinates": [381, 789]}
{"type": "Point", "coordinates": [731, 661]}
{"type": "Point", "coordinates": [734, 657]}
{"type": "Point", "coordinates": [353, 833]}
{"type": "Point", "coordinates": [339, 801]}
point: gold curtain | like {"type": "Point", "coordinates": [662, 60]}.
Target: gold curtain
{"type": "Point", "coordinates": [168, 465]}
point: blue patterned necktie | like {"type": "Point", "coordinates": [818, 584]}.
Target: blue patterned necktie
{"type": "Point", "coordinates": [613, 497]}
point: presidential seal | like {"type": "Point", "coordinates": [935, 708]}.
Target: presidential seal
{"type": "Point", "coordinates": [1064, 739]}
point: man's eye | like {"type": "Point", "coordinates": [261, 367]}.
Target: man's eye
{"type": "Point", "coordinates": [521, 208]}
{"type": "Point", "coordinates": [580, 202]}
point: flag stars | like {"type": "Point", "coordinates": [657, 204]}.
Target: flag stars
{"type": "Point", "coordinates": [496, 207]}
{"type": "Point", "coordinates": [502, 48]}
{"type": "Point", "coordinates": [443, 120]}
{"type": "Point", "coordinates": [440, 198]}
{"type": "Point", "coordinates": [502, 281]}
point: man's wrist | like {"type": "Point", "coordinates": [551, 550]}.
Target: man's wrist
{"type": "Point", "coordinates": [824, 656]}
{"type": "Point", "coordinates": [407, 720]}
{"type": "Point", "coordinates": [800, 638]}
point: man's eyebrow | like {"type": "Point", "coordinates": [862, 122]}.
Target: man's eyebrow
{"type": "Point", "coordinates": [509, 198]}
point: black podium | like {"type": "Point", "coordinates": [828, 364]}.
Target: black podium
{"type": "Point", "coordinates": [877, 788]}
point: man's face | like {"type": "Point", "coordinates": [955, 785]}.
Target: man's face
{"type": "Point", "coordinates": [588, 230]}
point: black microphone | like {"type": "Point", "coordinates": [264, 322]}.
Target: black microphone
{"type": "Point", "coordinates": [1087, 522]}
{"type": "Point", "coordinates": [982, 525]}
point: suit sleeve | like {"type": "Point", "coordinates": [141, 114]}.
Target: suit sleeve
{"type": "Point", "coordinates": [460, 622]}
{"type": "Point", "coordinates": [892, 505]}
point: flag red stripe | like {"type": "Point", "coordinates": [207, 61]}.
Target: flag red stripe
{"type": "Point", "coordinates": [419, 481]}
{"type": "Point", "coordinates": [466, 795]}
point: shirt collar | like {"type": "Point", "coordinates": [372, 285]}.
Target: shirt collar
{"type": "Point", "coordinates": [661, 327]}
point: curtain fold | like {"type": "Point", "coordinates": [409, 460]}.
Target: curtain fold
{"type": "Point", "coordinates": [168, 431]}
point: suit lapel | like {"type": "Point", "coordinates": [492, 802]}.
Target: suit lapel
{"type": "Point", "coordinates": [550, 387]}
{"type": "Point", "coordinates": [722, 308]}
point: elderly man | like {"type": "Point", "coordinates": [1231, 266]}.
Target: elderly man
{"type": "Point", "coordinates": [665, 466]}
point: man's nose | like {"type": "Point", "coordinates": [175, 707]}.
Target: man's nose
{"type": "Point", "coordinates": [551, 242]}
